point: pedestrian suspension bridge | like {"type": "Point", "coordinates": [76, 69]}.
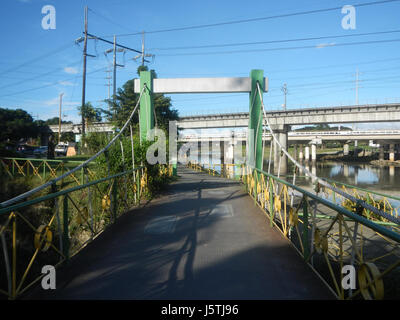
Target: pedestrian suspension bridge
{"type": "Point", "coordinates": [219, 231]}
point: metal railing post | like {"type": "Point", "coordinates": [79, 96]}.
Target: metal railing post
{"type": "Point", "coordinates": [306, 244]}
{"type": "Point", "coordinates": [271, 202]}
{"type": "Point", "coordinates": [114, 202]}
{"type": "Point", "coordinates": [65, 229]}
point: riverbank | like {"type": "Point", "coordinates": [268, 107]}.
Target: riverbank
{"type": "Point", "coordinates": [385, 163]}
{"type": "Point", "coordinates": [362, 156]}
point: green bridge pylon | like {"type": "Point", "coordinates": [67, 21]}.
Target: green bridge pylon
{"type": "Point", "coordinates": [146, 114]}
{"type": "Point", "coordinates": [255, 148]}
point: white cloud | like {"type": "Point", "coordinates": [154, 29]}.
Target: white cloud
{"type": "Point", "coordinates": [324, 45]}
{"type": "Point", "coordinates": [71, 70]}
{"type": "Point", "coordinates": [66, 83]}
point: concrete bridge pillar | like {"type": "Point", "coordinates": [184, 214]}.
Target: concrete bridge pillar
{"type": "Point", "coordinates": [391, 152]}
{"type": "Point", "coordinates": [205, 152]}
{"type": "Point", "coordinates": [301, 156]}
{"type": "Point", "coordinates": [280, 158]}
{"type": "Point", "coordinates": [210, 154]}
{"type": "Point", "coordinates": [229, 156]}
{"type": "Point", "coordinates": [381, 152]}
{"type": "Point", "coordinates": [346, 149]}
{"type": "Point", "coordinates": [199, 152]}
{"type": "Point", "coordinates": [314, 152]}
{"type": "Point", "coordinates": [222, 155]}
{"type": "Point", "coordinates": [230, 150]}
{"type": "Point", "coordinates": [276, 152]}
{"type": "Point", "coordinates": [307, 153]}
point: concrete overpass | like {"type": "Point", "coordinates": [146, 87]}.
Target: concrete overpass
{"type": "Point", "coordinates": [331, 115]}
{"type": "Point", "coordinates": [328, 115]}
{"type": "Point", "coordinates": [77, 128]}
{"type": "Point", "coordinates": [302, 136]}
{"type": "Point", "coordinates": [387, 139]}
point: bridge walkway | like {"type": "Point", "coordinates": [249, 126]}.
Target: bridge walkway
{"type": "Point", "coordinates": [203, 238]}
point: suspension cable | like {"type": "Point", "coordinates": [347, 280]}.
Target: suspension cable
{"type": "Point", "coordinates": [55, 180]}
{"type": "Point", "coordinates": [323, 182]}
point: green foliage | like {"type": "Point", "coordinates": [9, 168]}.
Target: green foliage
{"type": "Point", "coordinates": [55, 120]}
{"type": "Point", "coordinates": [16, 124]}
{"type": "Point", "coordinates": [90, 113]}
{"type": "Point", "coordinates": [112, 162]}
{"type": "Point", "coordinates": [126, 100]}
{"type": "Point", "coordinates": [67, 137]}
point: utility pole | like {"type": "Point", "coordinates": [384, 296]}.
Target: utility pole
{"type": "Point", "coordinates": [84, 72]}
{"type": "Point", "coordinates": [143, 55]}
{"type": "Point", "coordinates": [109, 83]}
{"type": "Point", "coordinates": [285, 91]}
{"type": "Point", "coordinates": [115, 65]}
{"type": "Point", "coordinates": [143, 48]}
{"type": "Point", "coordinates": [59, 119]}
{"type": "Point", "coordinates": [115, 69]}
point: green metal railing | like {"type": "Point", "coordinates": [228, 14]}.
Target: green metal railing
{"type": "Point", "coordinates": [327, 235]}
{"type": "Point", "coordinates": [43, 169]}
{"type": "Point", "coordinates": [50, 229]}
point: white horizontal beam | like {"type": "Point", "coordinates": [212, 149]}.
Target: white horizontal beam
{"type": "Point", "coordinates": [201, 85]}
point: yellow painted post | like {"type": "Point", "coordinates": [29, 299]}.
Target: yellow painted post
{"type": "Point", "coordinates": [14, 259]}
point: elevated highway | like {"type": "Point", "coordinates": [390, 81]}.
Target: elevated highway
{"type": "Point", "coordinates": [301, 136]}
{"type": "Point", "coordinates": [333, 115]}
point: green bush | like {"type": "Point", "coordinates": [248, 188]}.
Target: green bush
{"type": "Point", "coordinates": [112, 161]}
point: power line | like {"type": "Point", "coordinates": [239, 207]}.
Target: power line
{"type": "Point", "coordinates": [334, 74]}
{"type": "Point", "coordinates": [46, 55]}
{"type": "Point", "coordinates": [117, 44]}
{"type": "Point", "coordinates": [255, 19]}
{"type": "Point", "coordinates": [281, 48]}
{"type": "Point", "coordinates": [143, 55]}
{"type": "Point", "coordinates": [337, 65]}
{"type": "Point", "coordinates": [48, 85]}
{"type": "Point", "coordinates": [33, 78]}
{"type": "Point", "coordinates": [276, 41]}
{"type": "Point", "coordinates": [108, 20]}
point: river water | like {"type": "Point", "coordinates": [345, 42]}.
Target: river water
{"type": "Point", "coordinates": [364, 175]}
{"type": "Point", "coordinates": [379, 179]}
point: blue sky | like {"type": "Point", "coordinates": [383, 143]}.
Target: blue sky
{"type": "Point", "coordinates": [36, 65]}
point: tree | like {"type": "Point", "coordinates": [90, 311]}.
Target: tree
{"type": "Point", "coordinates": [55, 120]}
{"type": "Point", "coordinates": [90, 113]}
{"type": "Point", "coordinates": [126, 99]}
{"type": "Point", "coordinates": [16, 124]}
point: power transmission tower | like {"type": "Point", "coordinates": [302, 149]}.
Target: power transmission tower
{"type": "Point", "coordinates": [84, 72]}
{"type": "Point", "coordinates": [85, 54]}
{"type": "Point", "coordinates": [143, 55]}
{"type": "Point", "coordinates": [108, 77]}
{"type": "Point", "coordinates": [115, 65]}
{"type": "Point", "coordinates": [285, 91]}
